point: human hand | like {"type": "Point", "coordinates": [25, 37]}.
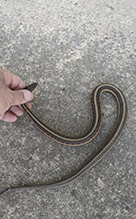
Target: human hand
{"type": "Point", "coordinates": [12, 95]}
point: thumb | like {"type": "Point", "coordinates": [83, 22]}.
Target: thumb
{"type": "Point", "coordinates": [20, 97]}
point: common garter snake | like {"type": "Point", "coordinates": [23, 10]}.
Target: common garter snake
{"type": "Point", "coordinates": [95, 101]}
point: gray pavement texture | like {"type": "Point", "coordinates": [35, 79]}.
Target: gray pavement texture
{"type": "Point", "coordinates": [69, 47]}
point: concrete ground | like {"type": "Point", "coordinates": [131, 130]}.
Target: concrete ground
{"type": "Point", "coordinates": [69, 47]}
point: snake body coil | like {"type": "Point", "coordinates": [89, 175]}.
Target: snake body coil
{"type": "Point", "coordinates": [95, 101]}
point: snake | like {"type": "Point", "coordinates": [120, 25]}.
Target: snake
{"type": "Point", "coordinates": [89, 135]}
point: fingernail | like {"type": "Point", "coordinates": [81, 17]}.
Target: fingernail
{"type": "Point", "coordinates": [28, 95]}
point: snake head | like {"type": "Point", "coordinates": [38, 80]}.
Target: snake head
{"type": "Point", "coordinates": [31, 87]}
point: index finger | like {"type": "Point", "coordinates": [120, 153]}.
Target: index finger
{"type": "Point", "coordinates": [12, 81]}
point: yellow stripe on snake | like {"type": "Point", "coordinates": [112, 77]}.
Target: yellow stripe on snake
{"type": "Point", "coordinates": [89, 135]}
